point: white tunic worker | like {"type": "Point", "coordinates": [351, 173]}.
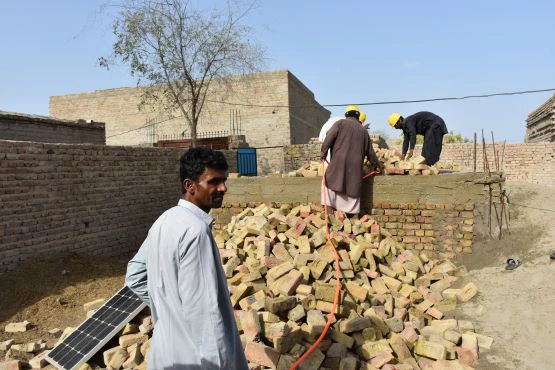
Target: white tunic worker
{"type": "Point", "coordinates": [178, 273]}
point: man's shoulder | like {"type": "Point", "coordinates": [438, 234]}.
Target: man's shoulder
{"type": "Point", "coordinates": [181, 220]}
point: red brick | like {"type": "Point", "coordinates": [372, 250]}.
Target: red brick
{"type": "Point", "coordinates": [259, 354]}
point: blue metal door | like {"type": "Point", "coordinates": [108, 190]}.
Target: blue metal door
{"type": "Point", "coordinates": [246, 161]}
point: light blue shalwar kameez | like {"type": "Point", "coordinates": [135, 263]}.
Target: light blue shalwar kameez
{"type": "Point", "coordinates": [178, 272]}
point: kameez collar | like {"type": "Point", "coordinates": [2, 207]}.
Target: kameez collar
{"type": "Point", "coordinates": [205, 217]}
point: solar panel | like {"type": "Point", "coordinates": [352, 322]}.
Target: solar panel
{"type": "Point", "coordinates": [89, 337]}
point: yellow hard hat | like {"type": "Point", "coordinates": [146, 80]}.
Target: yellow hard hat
{"type": "Point", "coordinates": [362, 117]}
{"type": "Point", "coordinates": [393, 118]}
{"type": "Point", "coordinates": [352, 107]}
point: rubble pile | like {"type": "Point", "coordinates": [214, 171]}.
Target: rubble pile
{"type": "Point", "coordinates": [282, 281]}
{"type": "Point", "coordinates": [393, 301]}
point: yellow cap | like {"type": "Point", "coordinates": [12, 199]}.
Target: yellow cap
{"type": "Point", "coordinates": [362, 117]}
{"type": "Point", "coordinates": [393, 118]}
{"type": "Point", "coordinates": [352, 107]}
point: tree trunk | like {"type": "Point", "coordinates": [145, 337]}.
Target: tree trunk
{"type": "Point", "coordinates": [194, 133]}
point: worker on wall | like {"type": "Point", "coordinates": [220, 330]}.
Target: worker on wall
{"type": "Point", "coordinates": [329, 124]}
{"type": "Point", "coordinates": [349, 142]}
{"type": "Point", "coordinates": [428, 124]}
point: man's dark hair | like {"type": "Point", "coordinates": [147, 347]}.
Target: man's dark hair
{"type": "Point", "coordinates": [352, 113]}
{"type": "Point", "coordinates": [195, 160]}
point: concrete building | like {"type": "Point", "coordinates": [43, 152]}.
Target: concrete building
{"type": "Point", "coordinates": [540, 124]}
{"type": "Point", "coordinates": [43, 129]}
{"type": "Point", "coordinates": [271, 109]}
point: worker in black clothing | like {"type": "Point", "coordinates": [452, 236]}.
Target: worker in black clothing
{"type": "Point", "coordinates": [428, 124]}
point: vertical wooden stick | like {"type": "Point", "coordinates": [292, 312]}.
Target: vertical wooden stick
{"type": "Point", "coordinates": [475, 145]}
{"type": "Point", "coordinates": [503, 156]}
{"type": "Point", "coordinates": [495, 157]}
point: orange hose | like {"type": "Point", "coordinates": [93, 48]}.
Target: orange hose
{"type": "Point", "coordinates": [337, 270]}
{"type": "Point", "coordinates": [337, 287]}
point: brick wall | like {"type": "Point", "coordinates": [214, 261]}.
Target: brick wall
{"type": "Point", "coordinates": [26, 127]}
{"type": "Point", "coordinates": [294, 156]}
{"type": "Point", "coordinates": [445, 229]}
{"type": "Point", "coordinates": [89, 199]}
{"type": "Point", "coordinates": [530, 162]}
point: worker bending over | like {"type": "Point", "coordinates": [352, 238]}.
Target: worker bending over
{"type": "Point", "coordinates": [349, 142]}
{"type": "Point", "coordinates": [428, 124]}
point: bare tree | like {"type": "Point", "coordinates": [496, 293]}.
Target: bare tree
{"type": "Point", "coordinates": [177, 52]}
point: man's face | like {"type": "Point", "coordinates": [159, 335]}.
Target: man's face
{"type": "Point", "coordinates": [208, 192]}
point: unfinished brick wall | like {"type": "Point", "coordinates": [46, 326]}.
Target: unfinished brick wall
{"type": "Point", "coordinates": [418, 213]}
{"type": "Point", "coordinates": [82, 198]}
{"type": "Point", "coordinates": [444, 230]}
{"type": "Point", "coordinates": [531, 162]}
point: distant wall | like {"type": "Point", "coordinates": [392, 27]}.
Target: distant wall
{"type": "Point", "coordinates": [530, 162]}
{"type": "Point", "coordinates": [540, 124]}
{"type": "Point", "coordinates": [306, 115]}
{"type": "Point", "coordinates": [98, 200]}
{"type": "Point", "coordinates": [25, 127]}
{"type": "Point", "coordinates": [263, 114]}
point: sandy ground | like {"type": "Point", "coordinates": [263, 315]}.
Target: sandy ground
{"type": "Point", "coordinates": [517, 307]}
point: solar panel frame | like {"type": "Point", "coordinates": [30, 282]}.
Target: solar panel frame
{"type": "Point", "coordinates": [108, 320]}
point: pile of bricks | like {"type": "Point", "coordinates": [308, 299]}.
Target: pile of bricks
{"type": "Point", "coordinates": [282, 282]}
{"type": "Point", "coordinates": [308, 169]}
{"type": "Point", "coordinates": [394, 164]}
{"type": "Point", "coordinates": [390, 160]}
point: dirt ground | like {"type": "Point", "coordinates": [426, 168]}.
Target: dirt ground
{"type": "Point", "coordinates": [50, 292]}
{"type": "Point", "coordinates": [515, 308]}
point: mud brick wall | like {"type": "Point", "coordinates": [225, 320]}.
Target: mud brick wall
{"type": "Point", "coordinates": [98, 200]}
{"type": "Point", "coordinates": [26, 127]}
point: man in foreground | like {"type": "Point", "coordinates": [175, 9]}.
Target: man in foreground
{"type": "Point", "coordinates": [349, 143]}
{"type": "Point", "coordinates": [428, 124]}
{"type": "Point", "coordinates": [178, 272]}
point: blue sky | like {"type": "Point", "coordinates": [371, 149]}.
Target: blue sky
{"type": "Point", "coordinates": [356, 51]}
